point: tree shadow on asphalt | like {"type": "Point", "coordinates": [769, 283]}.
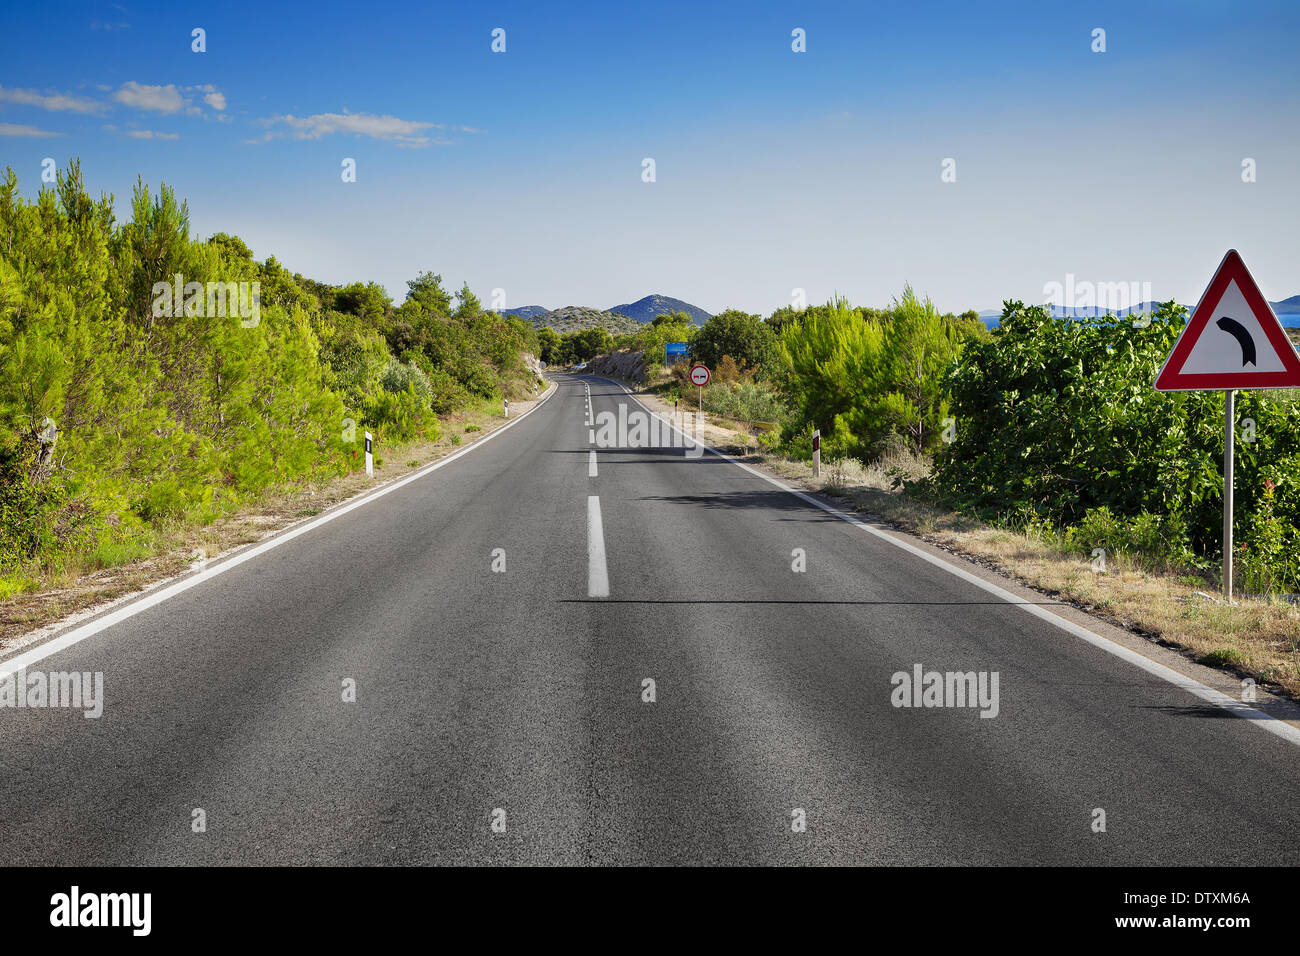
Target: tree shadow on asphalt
{"type": "Point", "coordinates": [774, 500]}
{"type": "Point", "coordinates": [642, 456]}
{"type": "Point", "coordinates": [652, 455]}
{"type": "Point", "coordinates": [780, 601]}
{"type": "Point", "coordinates": [1211, 710]}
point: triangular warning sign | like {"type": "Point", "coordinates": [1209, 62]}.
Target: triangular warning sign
{"type": "Point", "coordinates": [1233, 339]}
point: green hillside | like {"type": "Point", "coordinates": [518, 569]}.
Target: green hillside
{"type": "Point", "coordinates": [579, 318]}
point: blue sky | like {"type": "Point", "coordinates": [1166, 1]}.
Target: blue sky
{"type": "Point", "coordinates": [775, 170]}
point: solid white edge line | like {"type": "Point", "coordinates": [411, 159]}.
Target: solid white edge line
{"type": "Point", "coordinates": [597, 573]}
{"type": "Point", "coordinates": [91, 628]}
{"type": "Point", "coordinates": [1208, 694]}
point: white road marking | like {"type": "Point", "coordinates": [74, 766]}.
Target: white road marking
{"type": "Point", "coordinates": [1208, 694]}
{"type": "Point", "coordinates": [597, 573]}
{"type": "Point", "coordinates": [591, 465]}
{"type": "Point", "coordinates": [91, 628]}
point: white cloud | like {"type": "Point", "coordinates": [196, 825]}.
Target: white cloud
{"type": "Point", "coordinates": [150, 134]}
{"type": "Point", "coordinates": [57, 102]}
{"type": "Point", "coordinates": [159, 99]}
{"type": "Point", "coordinates": [400, 131]}
{"type": "Point", "coordinates": [170, 98]}
{"type": "Point", "coordinates": [14, 129]}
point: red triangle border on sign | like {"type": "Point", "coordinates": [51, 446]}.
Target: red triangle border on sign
{"type": "Point", "coordinates": [1232, 268]}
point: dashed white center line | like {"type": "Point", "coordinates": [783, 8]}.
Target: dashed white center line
{"type": "Point", "coordinates": [591, 465]}
{"type": "Point", "coordinates": [597, 573]}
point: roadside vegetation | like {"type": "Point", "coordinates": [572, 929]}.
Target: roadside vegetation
{"type": "Point", "coordinates": [123, 419]}
{"type": "Point", "coordinates": [1040, 446]}
{"type": "Point", "coordinates": [1047, 425]}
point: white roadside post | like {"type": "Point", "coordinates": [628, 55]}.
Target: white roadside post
{"type": "Point", "coordinates": [505, 408]}
{"type": "Point", "coordinates": [48, 437]}
{"type": "Point", "coordinates": [1245, 347]}
{"type": "Point", "coordinates": [817, 453]}
{"type": "Point", "coordinates": [370, 458]}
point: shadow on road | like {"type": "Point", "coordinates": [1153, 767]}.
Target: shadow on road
{"type": "Point", "coordinates": [774, 500]}
{"type": "Point", "coordinates": [778, 601]}
{"type": "Point", "coordinates": [1209, 710]}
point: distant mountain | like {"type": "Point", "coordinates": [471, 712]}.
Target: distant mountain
{"type": "Point", "coordinates": [526, 311]}
{"type": "Point", "coordinates": [1077, 312]}
{"type": "Point", "coordinates": [576, 318]}
{"type": "Point", "coordinates": [1081, 312]}
{"type": "Point", "coordinates": [653, 306]}
{"type": "Point", "coordinates": [1289, 306]}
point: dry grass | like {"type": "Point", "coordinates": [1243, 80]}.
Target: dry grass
{"type": "Point", "coordinates": [74, 590]}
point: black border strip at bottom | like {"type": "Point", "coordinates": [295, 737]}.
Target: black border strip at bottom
{"type": "Point", "coordinates": [928, 906]}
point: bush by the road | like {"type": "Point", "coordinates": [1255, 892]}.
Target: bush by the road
{"type": "Point", "coordinates": [1057, 424]}
{"type": "Point", "coordinates": [868, 381]}
{"type": "Point", "coordinates": [120, 415]}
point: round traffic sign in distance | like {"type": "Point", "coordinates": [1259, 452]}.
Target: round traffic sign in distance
{"type": "Point", "coordinates": [699, 375]}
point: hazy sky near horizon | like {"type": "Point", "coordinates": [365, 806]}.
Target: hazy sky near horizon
{"type": "Point", "coordinates": [775, 170]}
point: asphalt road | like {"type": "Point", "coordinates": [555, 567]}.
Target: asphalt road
{"type": "Point", "coordinates": [479, 690]}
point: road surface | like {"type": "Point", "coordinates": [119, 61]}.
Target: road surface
{"type": "Point", "coordinates": [480, 691]}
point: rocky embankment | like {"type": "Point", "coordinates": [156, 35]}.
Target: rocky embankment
{"type": "Point", "coordinates": [626, 365]}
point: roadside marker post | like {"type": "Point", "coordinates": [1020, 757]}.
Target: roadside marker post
{"type": "Point", "coordinates": [370, 458]}
{"type": "Point", "coordinates": [505, 408]}
{"type": "Point", "coordinates": [1246, 347]}
{"type": "Point", "coordinates": [817, 453]}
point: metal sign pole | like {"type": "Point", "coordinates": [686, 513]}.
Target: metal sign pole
{"type": "Point", "coordinates": [1229, 429]}
{"type": "Point", "coordinates": [1222, 360]}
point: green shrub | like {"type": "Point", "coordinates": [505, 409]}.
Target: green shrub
{"type": "Point", "coordinates": [1222, 657]}
{"type": "Point", "coordinates": [1156, 542]}
{"type": "Point", "coordinates": [28, 508]}
{"type": "Point", "coordinates": [1268, 556]}
{"type": "Point", "coordinates": [745, 401]}
{"type": "Point", "coordinates": [869, 380]}
{"type": "Point", "coordinates": [1059, 419]}
{"type": "Point", "coordinates": [398, 377]}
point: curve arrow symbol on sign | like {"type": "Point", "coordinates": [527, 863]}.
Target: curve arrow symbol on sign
{"type": "Point", "coordinates": [1243, 337]}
